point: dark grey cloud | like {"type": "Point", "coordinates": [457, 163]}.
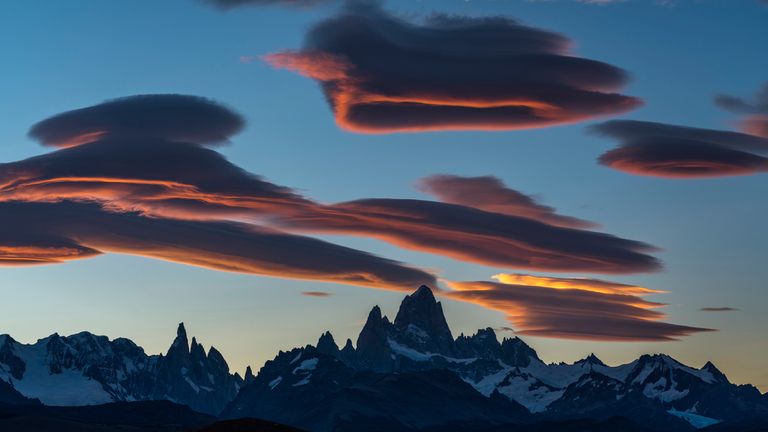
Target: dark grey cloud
{"type": "Point", "coordinates": [382, 73]}
{"type": "Point", "coordinates": [178, 182]}
{"type": "Point", "coordinates": [718, 309]}
{"type": "Point", "coordinates": [491, 194]}
{"type": "Point", "coordinates": [540, 310]}
{"type": "Point", "coordinates": [478, 236]}
{"type": "Point", "coordinates": [663, 150]}
{"type": "Point", "coordinates": [68, 230]}
{"type": "Point", "coordinates": [167, 116]}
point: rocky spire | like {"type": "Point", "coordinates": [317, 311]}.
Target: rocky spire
{"type": "Point", "coordinates": [347, 354]}
{"type": "Point", "coordinates": [515, 352]}
{"type": "Point", "coordinates": [181, 343]}
{"type": "Point", "coordinates": [421, 324]}
{"type": "Point", "coordinates": [482, 344]}
{"type": "Point", "coordinates": [249, 377]}
{"type": "Point", "coordinates": [373, 351]}
{"type": "Point", "coordinates": [327, 345]}
{"type": "Point", "coordinates": [591, 360]}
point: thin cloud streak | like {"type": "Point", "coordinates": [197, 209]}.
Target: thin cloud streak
{"type": "Point", "coordinates": [718, 309]}
{"type": "Point", "coordinates": [316, 294]}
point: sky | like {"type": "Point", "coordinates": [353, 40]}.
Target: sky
{"type": "Point", "coordinates": [275, 67]}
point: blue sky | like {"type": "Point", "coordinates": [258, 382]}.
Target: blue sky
{"type": "Point", "coordinates": [65, 55]}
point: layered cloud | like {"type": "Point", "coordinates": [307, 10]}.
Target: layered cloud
{"type": "Point", "coordinates": [144, 185]}
{"type": "Point", "coordinates": [166, 116]}
{"type": "Point", "coordinates": [148, 175]}
{"type": "Point", "coordinates": [663, 150]}
{"type": "Point", "coordinates": [491, 194]}
{"type": "Point", "coordinates": [148, 181]}
{"type": "Point", "coordinates": [69, 230]}
{"type": "Point", "coordinates": [382, 73]}
{"type": "Point", "coordinates": [140, 187]}
{"type": "Point", "coordinates": [478, 236]}
{"type": "Point", "coordinates": [566, 309]}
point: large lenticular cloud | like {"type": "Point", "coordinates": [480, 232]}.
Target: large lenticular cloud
{"type": "Point", "coordinates": [129, 171]}
{"type": "Point", "coordinates": [381, 73]}
{"type": "Point", "coordinates": [662, 150]}
{"type": "Point", "coordinates": [128, 182]}
{"type": "Point", "coordinates": [478, 236]}
{"type": "Point", "coordinates": [133, 178]}
{"type": "Point", "coordinates": [68, 230]}
{"type": "Point", "coordinates": [571, 309]}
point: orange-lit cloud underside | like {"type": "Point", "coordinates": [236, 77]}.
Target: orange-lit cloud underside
{"type": "Point", "coordinates": [571, 310]}
{"type": "Point", "coordinates": [586, 284]}
{"type": "Point", "coordinates": [30, 255]}
{"type": "Point", "coordinates": [477, 236]}
{"type": "Point", "coordinates": [152, 197]}
{"type": "Point", "coordinates": [359, 109]}
{"type": "Point", "coordinates": [686, 169]}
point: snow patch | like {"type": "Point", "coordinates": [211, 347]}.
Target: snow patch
{"type": "Point", "coordinates": [275, 382]}
{"type": "Point", "coordinates": [307, 365]}
{"type": "Point", "coordinates": [696, 420]}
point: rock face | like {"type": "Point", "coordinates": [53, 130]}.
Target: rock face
{"type": "Point", "coordinates": [420, 324]}
{"type": "Point", "coordinates": [399, 373]}
{"type": "Point", "coordinates": [85, 369]}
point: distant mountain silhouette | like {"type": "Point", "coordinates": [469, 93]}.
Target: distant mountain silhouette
{"type": "Point", "coordinates": [411, 374]}
{"type": "Point", "coordinates": [86, 369]}
{"type": "Point", "coordinates": [406, 375]}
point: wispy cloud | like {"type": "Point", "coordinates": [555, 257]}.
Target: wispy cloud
{"type": "Point", "coordinates": [316, 294]}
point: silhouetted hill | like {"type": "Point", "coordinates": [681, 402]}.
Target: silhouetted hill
{"type": "Point", "coordinates": [157, 416]}
{"type": "Point", "coordinates": [248, 425]}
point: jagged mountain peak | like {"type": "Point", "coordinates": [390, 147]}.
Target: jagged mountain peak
{"type": "Point", "coordinates": [375, 313]}
{"type": "Point", "coordinates": [716, 373]}
{"type": "Point", "coordinates": [249, 376]}
{"type": "Point", "coordinates": [348, 344]}
{"type": "Point", "coordinates": [327, 345]}
{"type": "Point", "coordinates": [591, 359]}
{"type": "Point", "coordinates": [421, 323]}
{"type": "Point", "coordinates": [515, 352]}
{"type": "Point", "coordinates": [181, 343]}
{"type": "Point", "coordinates": [181, 331]}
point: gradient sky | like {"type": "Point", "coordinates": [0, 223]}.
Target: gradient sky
{"type": "Point", "coordinates": [65, 55]}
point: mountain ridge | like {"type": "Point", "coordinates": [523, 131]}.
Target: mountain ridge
{"type": "Point", "coordinates": [408, 374]}
{"type": "Point", "coordinates": [676, 396]}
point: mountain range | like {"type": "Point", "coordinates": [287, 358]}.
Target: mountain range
{"type": "Point", "coordinates": [409, 374]}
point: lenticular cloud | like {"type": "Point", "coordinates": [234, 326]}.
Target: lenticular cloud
{"type": "Point", "coordinates": [382, 73]}
{"type": "Point", "coordinates": [141, 182]}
